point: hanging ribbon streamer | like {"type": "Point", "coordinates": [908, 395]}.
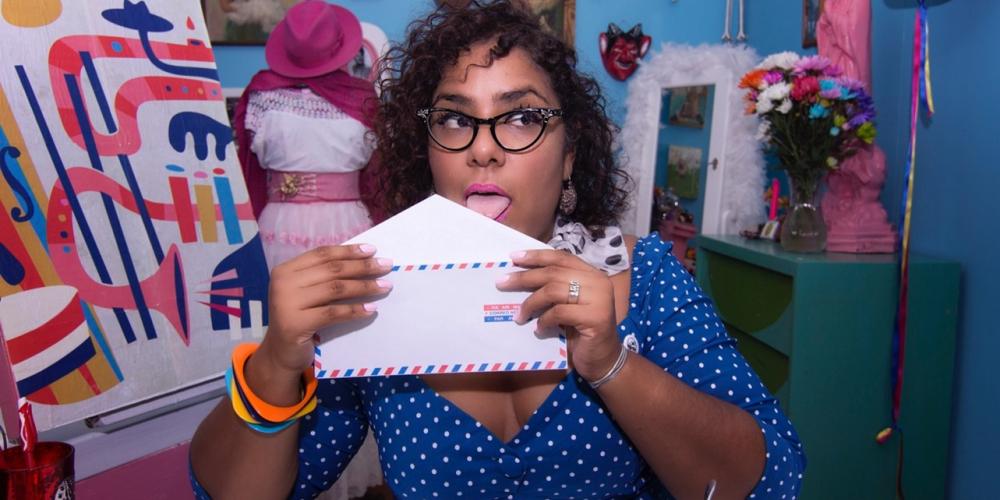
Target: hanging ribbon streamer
{"type": "Point", "coordinates": [920, 93]}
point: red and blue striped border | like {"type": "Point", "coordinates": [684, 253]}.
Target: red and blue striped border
{"type": "Point", "coordinates": [450, 266]}
{"type": "Point", "coordinates": [433, 369]}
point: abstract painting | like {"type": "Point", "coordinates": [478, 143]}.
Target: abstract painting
{"type": "Point", "coordinates": [129, 257]}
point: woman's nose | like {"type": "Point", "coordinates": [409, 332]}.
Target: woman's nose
{"type": "Point", "coordinates": [484, 150]}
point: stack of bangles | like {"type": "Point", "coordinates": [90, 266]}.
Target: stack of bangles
{"type": "Point", "coordinates": [258, 414]}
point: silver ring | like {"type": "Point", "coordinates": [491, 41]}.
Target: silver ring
{"type": "Point", "coordinates": [574, 292]}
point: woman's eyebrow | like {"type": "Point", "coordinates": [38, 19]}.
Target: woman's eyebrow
{"type": "Point", "coordinates": [513, 95]}
{"type": "Point", "coordinates": [458, 99]}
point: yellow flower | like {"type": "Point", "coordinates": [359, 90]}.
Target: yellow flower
{"type": "Point", "coordinates": [866, 132]}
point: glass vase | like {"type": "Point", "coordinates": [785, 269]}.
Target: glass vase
{"type": "Point", "coordinates": [803, 229]}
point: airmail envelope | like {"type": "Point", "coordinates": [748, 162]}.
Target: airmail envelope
{"type": "Point", "coordinates": [444, 313]}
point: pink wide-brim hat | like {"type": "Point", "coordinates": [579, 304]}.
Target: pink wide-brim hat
{"type": "Point", "coordinates": [314, 38]}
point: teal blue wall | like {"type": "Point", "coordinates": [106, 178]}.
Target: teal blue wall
{"type": "Point", "coordinates": [955, 201]}
{"type": "Point", "coordinates": [955, 198]}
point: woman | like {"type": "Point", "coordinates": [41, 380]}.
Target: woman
{"type": "Point", "coordinates": [684, 411]}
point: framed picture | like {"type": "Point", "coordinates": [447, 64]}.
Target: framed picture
{"type": "Point", "coordinates": [683, 169]}
{"type": "Point", "coordinates": [811, 10]}
{"type": "Point", "coordinates": [688, 106]}
{"type": "Point", "coordinates": [243, 22]}
{"type": "Point", "coordinates": [556, 16]}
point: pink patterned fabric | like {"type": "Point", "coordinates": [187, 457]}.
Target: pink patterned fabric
{"type": "Point", "coordinates": [289, 100]}
{"type": "Point", "coordinates": [308, 187]}
{"type": "Point", "coordinates": [856, 220]}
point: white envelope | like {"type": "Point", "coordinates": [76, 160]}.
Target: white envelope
{"type": "Point", "coordinates": [444, 313]}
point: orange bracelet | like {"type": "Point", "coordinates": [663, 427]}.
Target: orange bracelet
{"type": "Point", "coordinates": [266, 410]}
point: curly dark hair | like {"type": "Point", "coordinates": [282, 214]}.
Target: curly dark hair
{"type": "Point", "coordinates": [413, 72]}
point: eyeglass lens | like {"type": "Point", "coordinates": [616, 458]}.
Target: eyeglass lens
{"type": "Point", "coordinates": [515, 130]}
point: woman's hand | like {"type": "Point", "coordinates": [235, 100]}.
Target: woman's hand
{"type": "Point", "coordinates": [309, 292]}
{"type": "Point", "coordinates": [589, 322]}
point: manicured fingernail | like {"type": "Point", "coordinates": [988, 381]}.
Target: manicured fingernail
{"type": "Point", "coordinates": [384, 262]}
{"type": "Point", "coordinates": [503, 279]}
{"type": "Point", "coordinates": [371, 307]}
{"type": "Point", "coordinates": [386, 284]}
{"type": "Point", "coordinates": [366, 248]}
{"type": "Point", "coordinates": [518, 254]}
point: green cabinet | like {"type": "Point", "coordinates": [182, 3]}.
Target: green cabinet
{"type": "Point", "coordinates": [818, 328]}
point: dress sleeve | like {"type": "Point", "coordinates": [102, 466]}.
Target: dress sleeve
{"type": "Point", "coordinates": [256, 107]}
{"type": "Point", "coordinates": [328, 439]}
{"type": "Point", "coordinates": [679, 330]}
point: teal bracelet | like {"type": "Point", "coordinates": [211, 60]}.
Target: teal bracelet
{"type": "Point", "coordinates": [271, 430]}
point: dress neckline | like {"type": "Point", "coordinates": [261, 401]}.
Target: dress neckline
{"type": "Point", "coordinates": [557, 394]}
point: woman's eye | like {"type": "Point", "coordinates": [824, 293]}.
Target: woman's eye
{"type": "Point", "coordinates": [524, 118]}
{"type": "Point", "coordinates": [453, 120]}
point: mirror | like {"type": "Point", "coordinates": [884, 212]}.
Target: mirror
{"type": "Point", "coordinates": [682, 151]}
{"type": "Point", "coordinates": [686, 130]}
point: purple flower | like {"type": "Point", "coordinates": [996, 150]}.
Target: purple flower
{"type": "Point", "coordinates": [813, 63]}
{"type": "Point", "coordinates": [861, 110]}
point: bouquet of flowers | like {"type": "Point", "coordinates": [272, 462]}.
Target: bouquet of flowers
{"type": "Point", "coordinates": [812, 117]}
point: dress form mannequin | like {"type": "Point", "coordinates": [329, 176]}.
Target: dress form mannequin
{"type": "Point", "coordinates": [301, 127]}
{"type": "Point", "coordinates": [855, 218]}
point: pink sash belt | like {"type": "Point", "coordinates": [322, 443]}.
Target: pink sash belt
{"type": "Point", "coordinates": [307, 187]}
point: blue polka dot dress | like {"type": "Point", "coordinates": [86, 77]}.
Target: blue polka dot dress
{"type": "Point", "coordinates": [570, 447]}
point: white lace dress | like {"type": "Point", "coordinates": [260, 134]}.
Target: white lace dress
{"type": "Point", "coordinates": [297, 131]}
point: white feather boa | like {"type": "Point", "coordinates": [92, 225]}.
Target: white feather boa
{"type": "Point", "coordinates": [677, 65]}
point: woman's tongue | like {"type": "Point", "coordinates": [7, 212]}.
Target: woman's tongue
{"type": "Point", "coordinates": [490, 205]}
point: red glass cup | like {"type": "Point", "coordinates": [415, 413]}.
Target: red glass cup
{"type": "Point", "coordinates": [46, 474]}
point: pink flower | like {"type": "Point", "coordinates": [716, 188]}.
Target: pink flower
{"type": "Point", "coordinates": [773, 77]}
{"type": "Point", "coordinates": [832, 71]}
{"type": "Point", "coordinates": [804, 87]}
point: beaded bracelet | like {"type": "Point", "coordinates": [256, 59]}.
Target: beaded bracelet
{"type": "Point", "coordinates": [615, 369]}
{"type": "Point", "coordinates": [257, 413]}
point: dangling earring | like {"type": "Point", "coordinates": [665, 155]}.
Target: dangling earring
{"type": "Point", "coordinates": [567, 199]}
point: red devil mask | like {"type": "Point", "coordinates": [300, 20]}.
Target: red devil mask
{"type": "Point", "coordinates": [621, 51]}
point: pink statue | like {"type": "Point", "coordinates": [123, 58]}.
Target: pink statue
{"type": "Point", "coordinates": [854, 216]}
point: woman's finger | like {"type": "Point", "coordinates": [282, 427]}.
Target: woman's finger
{"type": "Point", "coordinates": [542, 258]}
{"type": "Point", "coordinates": [339, 290]}
{"type": "Point", "coordinates": [344, 269]}
{"type": "Point", "coordinates": [320, 255]}
{"type": "Point", "coordinates": [316, 318]}
{"type": "Point", "coordinates": [533, 279]}
{"type": "Point", "coordinates": [551, 294]}
{"type": "Point", "coordinates": [559, 315]}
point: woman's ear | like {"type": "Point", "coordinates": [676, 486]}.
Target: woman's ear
{"type": "Point", "coordinates": [568, 164]}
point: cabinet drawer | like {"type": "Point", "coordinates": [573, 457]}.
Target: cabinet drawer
{"type": "Point", "coordinates": [753, 300]}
